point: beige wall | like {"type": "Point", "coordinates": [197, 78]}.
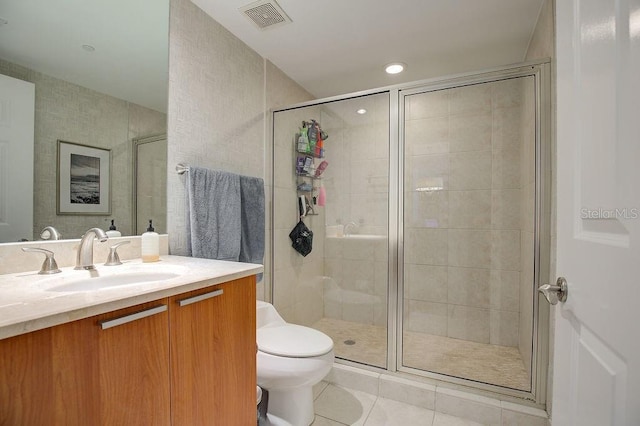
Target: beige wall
{"type": "Point", "coordinates": [76, 114]}
{"type": "Point", "coordinates": [220, 92]}
{"type": "Point", "coordinates": [543, 38]}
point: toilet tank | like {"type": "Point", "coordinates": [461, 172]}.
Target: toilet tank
{"type": "Point", "coordinates": [266, 315]}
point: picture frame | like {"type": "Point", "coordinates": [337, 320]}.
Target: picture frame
{"type": "Point", "coordinates": [83, 179]}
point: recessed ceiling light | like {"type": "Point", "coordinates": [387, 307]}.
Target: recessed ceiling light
{"type": "Point", "coordinates": [394, 68]}
{"type": "Point", "coordinates": [88, 47]}
{"type": "Point", "coordinates": [361, 111]}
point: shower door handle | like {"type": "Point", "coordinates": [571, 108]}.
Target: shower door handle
{"type": "Point", "coordinates": [555, 293]}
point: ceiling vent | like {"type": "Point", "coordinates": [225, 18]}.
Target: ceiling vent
{"type": "Point", "coordinates": [265, 14]}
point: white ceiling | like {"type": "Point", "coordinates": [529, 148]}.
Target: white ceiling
{"type": "Point", "coordinates": [340, 46]}
{"type": "Point", "coordinates": [130, 37]}
{"type": "Point", "coordinates": [331, 47]}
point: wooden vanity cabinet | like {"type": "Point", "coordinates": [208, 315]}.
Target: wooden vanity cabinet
{"type": "Point", "coordinates": [79, 373]}
{"type": "Point", "coordinates": [213, 355]}
{"type": "Point", "coordinates": [185, 360]}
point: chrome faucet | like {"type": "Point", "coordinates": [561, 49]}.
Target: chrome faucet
{"type": "Point", "coordinates": [84, 260]}
{"type": "Point", "coordinates": [348, 228]}
{"type": "Point", "coordinates": [50, 233]}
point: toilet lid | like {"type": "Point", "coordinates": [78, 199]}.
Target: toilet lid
{"type": "Point", "coordinates": [293, 341]}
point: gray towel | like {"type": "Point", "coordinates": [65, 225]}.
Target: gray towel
{"type": "Point", "coordinates": [252, 201]}
{"type": "Point", "coordinates": [214, 219]}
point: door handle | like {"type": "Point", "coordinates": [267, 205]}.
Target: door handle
{"type": "Point", "coordinates": [555, 293]}
{"type": "Point", "coordinates": [132, 317]}
{"type": "Point", "coordinates": [195, 299]}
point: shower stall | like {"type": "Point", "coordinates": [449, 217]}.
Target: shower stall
{"type": "Point", "coordinates": [434, 232]}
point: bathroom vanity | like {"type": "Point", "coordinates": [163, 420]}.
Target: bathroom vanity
{"type": "Point", "coordinates": [179, 350]}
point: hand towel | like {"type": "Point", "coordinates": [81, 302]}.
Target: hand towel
{"type": "Point", "coordinates": [214, 219]}
{"type": "Point", "coordinates": [252, 221]}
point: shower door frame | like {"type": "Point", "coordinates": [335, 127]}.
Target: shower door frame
{"type": "Point", "coordinates": [541, 71]}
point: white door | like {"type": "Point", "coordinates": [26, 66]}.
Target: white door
{"type": "Point", "coordinates": [17, 108]}
{"type": "Point", "coordinates": [596, 363]}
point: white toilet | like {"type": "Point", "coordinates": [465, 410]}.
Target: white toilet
{"type": "Point", "coordinates": [291, 359]}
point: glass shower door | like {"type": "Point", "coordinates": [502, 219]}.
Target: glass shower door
{"type": "Point", "coordinates": [468, 254]}
{"type": "Point", "coordinates": [341, 287]}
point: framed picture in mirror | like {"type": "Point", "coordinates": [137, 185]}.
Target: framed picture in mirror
{"type": "Point", "coordinates": [83, 179]}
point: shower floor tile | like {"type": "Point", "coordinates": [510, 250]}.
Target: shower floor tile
{"type": "Point", "coordinates": [357, 342]}
{"type": "Point", "coordinates": [367, 344]}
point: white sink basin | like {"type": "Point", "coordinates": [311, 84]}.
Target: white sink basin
{"type": "Point", "coordinates": [108, 277]}
{"type": "Point", "coordinates": [101, 282]}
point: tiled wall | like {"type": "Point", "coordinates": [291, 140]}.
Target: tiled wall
{"type": "Point", "coordinates": [298, 280]}
{"type": "Point", "coordinates": [219, 94]}
{"type": "Point", "coordinates": [357, 185]}
{"type": "Point", "coordinates": [356, 279]}
{"type": "Point", "coordinates": [216, 106]}
{"type": "Point", "coordinates": [76, 114]}
{"type": "Point", "coordinates": [357, 180]}
{"type": "Point", "coordinates": [463, 212]}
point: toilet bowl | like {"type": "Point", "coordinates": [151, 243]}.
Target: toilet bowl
{"type": "Point", "coordinates": [291, 359]}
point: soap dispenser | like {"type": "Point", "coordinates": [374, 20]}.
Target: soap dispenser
{"type": "Point", "coordinates": [112, 232]}
{"type": "Point", "coordinates": [150, 245]}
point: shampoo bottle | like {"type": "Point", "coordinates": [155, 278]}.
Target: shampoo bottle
{"type": "Point", "coordinates": [150, 245]}
{"type": "Point", "coordinates": [322, 196]}
{"type": "Point", "coordinates": [112, 232]}
{"type": "Point", "coordinates": [303, 139]}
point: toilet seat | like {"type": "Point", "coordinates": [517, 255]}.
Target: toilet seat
{"type": "Point", "coordinates": [294, 341]}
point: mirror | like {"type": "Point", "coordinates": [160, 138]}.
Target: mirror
{"type": "Point", "coordinates": [100, 72]}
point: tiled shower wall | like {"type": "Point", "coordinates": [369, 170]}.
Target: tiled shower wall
{"type": "Point", "coordinates": [357, 185]}
{"type": "Point", "coordinates": [356, 277]}
{"type": "Point", "coordinates": [298, 293]}
{"type": "Point", "coordinates": [466, 250]}
{"type": "Point", "coordinates": [357, 179]}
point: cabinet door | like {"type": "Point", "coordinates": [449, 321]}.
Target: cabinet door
{"type": "Point", "coordinates": [79, 373]}
{"type": "Point", "coordinates": [133, 363]}
{"type": "Point", "coordinates": [26, 379]}
{"type": "Point", "coordinates": [213, 355]}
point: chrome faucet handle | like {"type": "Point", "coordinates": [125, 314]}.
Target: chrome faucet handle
{"type": "Point", "coordinates": [50, 233]}
{"type": "Point", "coordinates": [49, 266]}
{"type": "Point", "coordinates": [113, 258]}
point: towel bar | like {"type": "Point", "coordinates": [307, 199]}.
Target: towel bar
{"type": "Point", "coordinates": [181, 168]}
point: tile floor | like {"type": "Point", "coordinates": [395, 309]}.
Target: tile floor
{"type": "Point", "coordinates": [338, 406]}
{"type": "Point", "coordinates": [498, 365]}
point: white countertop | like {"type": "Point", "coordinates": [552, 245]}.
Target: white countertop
{"type": "Point", "coordinates": [28, 301]}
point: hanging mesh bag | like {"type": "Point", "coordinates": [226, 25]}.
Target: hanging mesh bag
{"type": "Point", "coordinates": [301, 238]}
